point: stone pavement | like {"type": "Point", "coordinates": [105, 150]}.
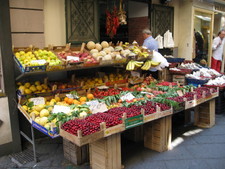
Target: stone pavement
{"type": "Point", "coordinates": [192, 148]}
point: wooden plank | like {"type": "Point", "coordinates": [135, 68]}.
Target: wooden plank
{"type": "Point", "coordinates": [158, 135]}
{"type": "Point", "coordinates": [205, 114]}
{"type": "Point", "coordinates": [32, 4]}
{"type": "Point", "coordinates": [110, 158]}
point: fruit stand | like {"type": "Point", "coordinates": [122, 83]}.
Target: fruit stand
{"type": "Point", "coordinates": [95, 111]}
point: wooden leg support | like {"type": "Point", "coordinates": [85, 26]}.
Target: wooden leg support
{"type": "Point", "coordinates": [205, 114]}
{"type": "Point", "coordinates": [75, 154]}
{"type": "Point", "coordinates": [158, 134]}
{"type": "Point", "coordinates": [106, 153]}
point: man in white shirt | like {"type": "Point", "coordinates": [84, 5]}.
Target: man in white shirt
{"type": "Point", "coordinates": [217, 47]}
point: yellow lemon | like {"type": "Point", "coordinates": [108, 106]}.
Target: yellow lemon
{"type": "Point", "coordinates": [43, 121]}
{"type": "Point", "coordinates": [25, 107]}
{"type": "Point", "coordinates": [57, 99]}
{"type": "Point", "coordinates": [22, 88]}
{"type": "Point", "coordinates": [33, 88]}
{"type": "Point", "coordinates": [37, 120]}
{"type": "Point", "coordinates": [27, 85]}
{"type": "Point", "coordinates": [39, 87]}
{"type": "Point", "coordinates": [35, 112]}
{"type": "Point", "coordinates": [44, 86]}
{"type": "Point", "coordinates": [37, 83]}
{"type": "Point", "coordinates": [50, 109]}
{"type": "Point", "coordinates": [44, 113]}
{"type": "Point", "coordinates": [47, 126]}
{"type": "Point", "coordinates": [43, 91]}
{"type": "Point", "coordinates": [27, 91]}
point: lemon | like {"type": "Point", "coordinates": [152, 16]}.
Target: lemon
{"type": "Point", "coordinates": [37, 108]}
{"type": "Point", "coordinates": [54, 120]}
{"type": "Point", "coordinates": [43, 91]}
{"type": "Point", "coordinates": [43, 121]}
{"type": "Point", "coordinates": [19, 84]}
{"type": "Point", "coordinates": [27, 91]}
{"type": "Point", "coordinates": [35, 112]}
{"type": "Point", "coordinates": [47, 126]}
{"type": "Point", "coordinates": [44, 86]}
{"type": "Point", "coordinates": [53, 100]}
{"type": "Point", "coordinates": [37, 120]}
{"type": "Point", "coordinates": [25, 107]}
{"type": "Point", "coordinates": [50, 109]}
{"type": "Point", "coordinates": [52, 103]}
{"type": "Point", "coordinates": [44, 113]}
{"type": "Point", "coordinates": [57, 99]}
{"type": "Point", "coordinates": [37, 83]}
{"type": "Point", "coordinates": [39, 88]}
{"type": "Point", "coordinates": [22, 88]}
{"type": "Point", "coordinates": [33, 88]}
{"type": "Point", "coordinates": [27, 85]}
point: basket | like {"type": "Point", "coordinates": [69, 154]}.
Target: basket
{"type": "Point", "coordinates": [196, 82]}
{"type": "Point", "coordinates": [175, 60]}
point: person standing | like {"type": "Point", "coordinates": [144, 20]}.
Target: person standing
{"type": "Point", "coordinates": [149, 41]}
{"type": "Point", "coordinates": [217, 47]}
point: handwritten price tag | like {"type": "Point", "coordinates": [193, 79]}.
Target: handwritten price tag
{"type": "Point", "coordinates": [68, 58]}
{"type": "Point", "coordinates": [92, 103]}
{"type": "Point", "coordinates": [127, 96]}
{"type": "Point", "coordinates": [99, 108]}
{"type": "Point", "coordinates": [60, 109]}
{"type": "Point", "coordinates": [135, 74]}
{"type": "Point", "coordinates": [41, 62]}
{"type": "Point", "coordinates": [180, 93]}
{"type": "Point", "coordinates": [38, 100]}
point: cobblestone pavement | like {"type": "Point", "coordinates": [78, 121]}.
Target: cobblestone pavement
{"type": "Point", "coordinates": [192, 148]}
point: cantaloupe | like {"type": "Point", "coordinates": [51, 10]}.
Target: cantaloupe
{"type": "Point", "coordinates": [90, 45]}
{"type": "Point", "coordinates": [105, 44]}
{"type": "Point", "coordinates": [98, 46]}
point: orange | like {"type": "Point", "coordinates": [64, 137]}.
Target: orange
{"type": "Point", "coordinates": [83, 102]}
{"type": "Point", "coordinates": [76, 102]}
{"type": "Point", "coordinates": [70, 101]}
{"type": "Point", "coordinates": [90, 96]}
{"type": "Point", "coordinates": [66, 99]}
{"type": "Point", "coordinates": [83, 99]}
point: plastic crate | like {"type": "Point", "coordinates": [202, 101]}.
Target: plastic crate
{"type": "Point", "coordinates": [41, 68]}
{"type": "Point", "coordinates": [195, 82]}
{"type": "Point", "coordinates": [175, 60]}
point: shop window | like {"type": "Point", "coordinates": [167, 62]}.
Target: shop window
{"type": "Point", "coordinates": [81, 21]}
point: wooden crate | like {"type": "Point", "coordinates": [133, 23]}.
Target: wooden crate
{"type": "Point", "coordinates": [157, 134]}
{"type": "Point", "coordinates": [75, 154]}
{"type": "Point", "coordinates": [106, 153]}
{"type": "Point", "coordinates": [205, 114]}
{"type": "Point", "coordinates": [165, 75]}
{"type": "Point", "coordinates": [179, 78]}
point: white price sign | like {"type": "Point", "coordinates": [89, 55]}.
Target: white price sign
{"type": "Point", "coordinates": [41, 62]}
{"type": "Point", "coordinates": [38, 100]}
{"type": "Point", "coordinates": [135, 74]}
{"type": "Point", "coordinates": [59, 109]}
{"type": "Point", "coordinates": [68, 58]}
{"type": "Point", "coordinates": [72, 96]}
{"type": "Point", "coordinates": [127, 96]}
{"type": "Point", "coordinates": [98, 108]}
{"type": "Point", "coordinates": [92, 103]}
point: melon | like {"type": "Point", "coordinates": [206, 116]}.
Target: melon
{"type": "Point", "coordinates": [90, 45]}
{"type": "Point", "coordinates": [98, 46]}
{"type": "Point", "coordinates": [105, 44]}
{"type": "Point", "coordinates": [93, 51]}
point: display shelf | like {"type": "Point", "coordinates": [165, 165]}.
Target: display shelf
{"type": "Point", "coordinates": [25, 74]}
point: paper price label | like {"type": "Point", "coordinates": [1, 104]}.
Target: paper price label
{"type": "Point", "coordinates": [59, 109]}
{"type": "Point", "coordinates": [41, 62]}
{"type": "Point", "coordinates": [99, 108]}
{"type": "Point", "coordinates": [127, 96]}
{"type": "Point", "coordinates": [135, 74]}
{"type": "Point", "coordinates": [71, 96]}
{"type": "Point", "coordinates": [68, 58]}
{"type": "Point", "coordinates": [38, 100]}
{"type": "Point", "coordinates": [180, 93]}
{"type": "Point", "coordinates": [92, 103]}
